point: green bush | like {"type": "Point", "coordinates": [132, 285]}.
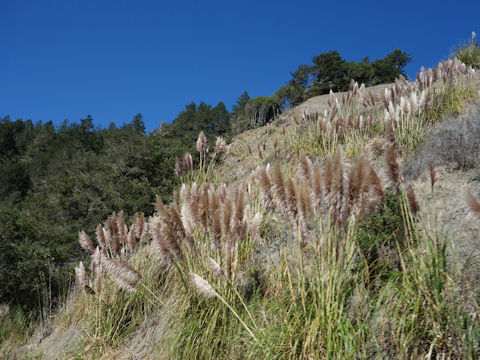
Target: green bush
{"type": "Point", "coordinates": [378, 234]}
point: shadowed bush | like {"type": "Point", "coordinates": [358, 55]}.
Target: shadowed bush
{"type": "Point", "coordinates": [455, 142]}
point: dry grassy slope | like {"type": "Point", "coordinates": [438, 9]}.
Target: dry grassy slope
{"type": "Point", "coordinates": [445, 207]}
{"type": "Point", "coordinates": [445, 203]}
{"type": "Point", "coordinates": [240, 163]}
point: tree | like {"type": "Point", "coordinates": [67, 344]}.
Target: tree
{"type": "Point", "coordinates": [239, 107]}
{"type": "Point", "coordinates": [330, 71]}
{"type": "Point", "coordinates": [28, 253]}
{"type": "Point", "coordinates": [327, 72]}
{"type": "Point", "coordinates": [390, 67]}
{"type": "Point", "coordinates": [238, 120]}
{"type": "Point", "coordinates": [137, 124]}
{"type": "Point", "coordinates": [362, 71]}
{"type": "Point", "coordinates": [302, 76]}
{"type": "Point", "coordinates": [261, 110]}
{"type": "Point", "coordinates": [288, 95]}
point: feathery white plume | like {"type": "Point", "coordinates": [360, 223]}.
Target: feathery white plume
{"type": "Point", "coordinates": [80, 274]}
{"type": "Point", "coordinates": [202, 287]}
{"type": "Point", "coordinates": [216, 268]}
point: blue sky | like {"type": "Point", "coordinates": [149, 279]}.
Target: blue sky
{"type": "Point", "coordinates": [113, 59]}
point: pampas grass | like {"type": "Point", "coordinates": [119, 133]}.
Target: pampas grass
{"type": "Point", "coordinates": [188, 161]}
{"type": "Point", "coordinates": [131, 240]}
{"type": "Point", "coordinates": [291, 199]}
{"type": "Point", "coordinates": [4, 310]}
{"type": "Point", "coordinates": [306, 169]}
{"type": "Point", "coordinates": [202, 149]}
{"type": "Point", "coordinates": [202, 287]}
{"type": "Point", "coordinates": [473, 205]}
{"type": "Point", "coordinates": [261, 175]}
{"type": "Point", "coordinates": [121, 274]}
{"type": "Point", "coordinates": [393, 168]}
{"type": "Point", "coordinates": [163, 236]}
{"type": "Point", "coordinates": [102, 238]}
{"type": "Point", "coordinates": [433, 175]}
{"type": "Point", "coordinates": [297, 199]}
{"type": "Point", "coordinates": [375, 183]}
{"type": "Point", "coordinates": [412, 200]}
{"type": "Point", "coordinates": [216, 268]}
{"type": "Point", "coordinates": [317, 185]}
{"type": "Point", "coordinates": [140, 226]}
{"type": "Point", "coordinates": [178, 167]}
{"type": "Point", "coordinates": [220, 145]}
{"type": "Point", "coordinates": [201, 142]}
{"type": "Point", "coordinates": [278, 186]}
{"type": "Point", "coordinates": [85, 242]}
{"type": "Point", "coordinates": [80, 275]}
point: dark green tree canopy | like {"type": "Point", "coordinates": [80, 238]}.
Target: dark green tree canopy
{"type": "Point", "coordinates": [239, 106]}
{"type": "Point", "coordinates": [330, 71]}
{"type": "Point", "coordinates": [137, 124]}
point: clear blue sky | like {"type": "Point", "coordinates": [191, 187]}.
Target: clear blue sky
{"type": "Point", "coordinates": [112, 59]}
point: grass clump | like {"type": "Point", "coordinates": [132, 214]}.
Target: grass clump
{"type": "Point", "coordinates": [469, 53]}
{"type": "Point", "coordinates": [15, 328]}
{"type": "Point", "coordinates": [450, 100]}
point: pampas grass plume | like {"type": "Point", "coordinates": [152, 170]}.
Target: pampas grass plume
{"type": "Point", "coordinates": [433, 175]}
{"type": "Point", "coordinates": [216, 268]}
{"type": "Point", "coordinates": [80, 275]}
{"type": "Point", "coordinates": [255, 225]}
{"type": "Point", "coordinates": [306, 169]}
{"type": "Point", "coordinates": [4, 309]}
{"type": "Point", "coordinates": [473, 205]}
{"type": "Point", "coordinates": [178, 167]}
{"type": "Point", "coordinates": [393, 168]}
{"type": "Point", "coordinates": [201, 142]}
{"type": "Point", "coordinates": [202, 287]}
{"type": "Point", "coordinates": [188, 161]}
{"type": "Point", "coordinates": [122, 274]}
{"type": "Point", "coordinates": [131, 240]}
{"type": "Point", "coordinates": [220, 145]}
{"type": "Point", "coordinates": [101, 239]}
{"type": "Point", "coordinates": [278, 184]}
{"type": "Point", "coordinates": [97, 257]}
{"type": "Point", "coordinates": [85, 242]}
{"type": "Point", "coordinates": [412, 200]}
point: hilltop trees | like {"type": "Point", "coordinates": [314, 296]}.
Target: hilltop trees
{"type": "Point", "coordinates": [330, 71]}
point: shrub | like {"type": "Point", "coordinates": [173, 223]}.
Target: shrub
{"type": "Point", "coordinates": [380, 235]}
{"type": "Point", "coordinates": [454, 142]}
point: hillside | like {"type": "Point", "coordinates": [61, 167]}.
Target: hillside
{"type": "Point", "coordinates": [342, 231]}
